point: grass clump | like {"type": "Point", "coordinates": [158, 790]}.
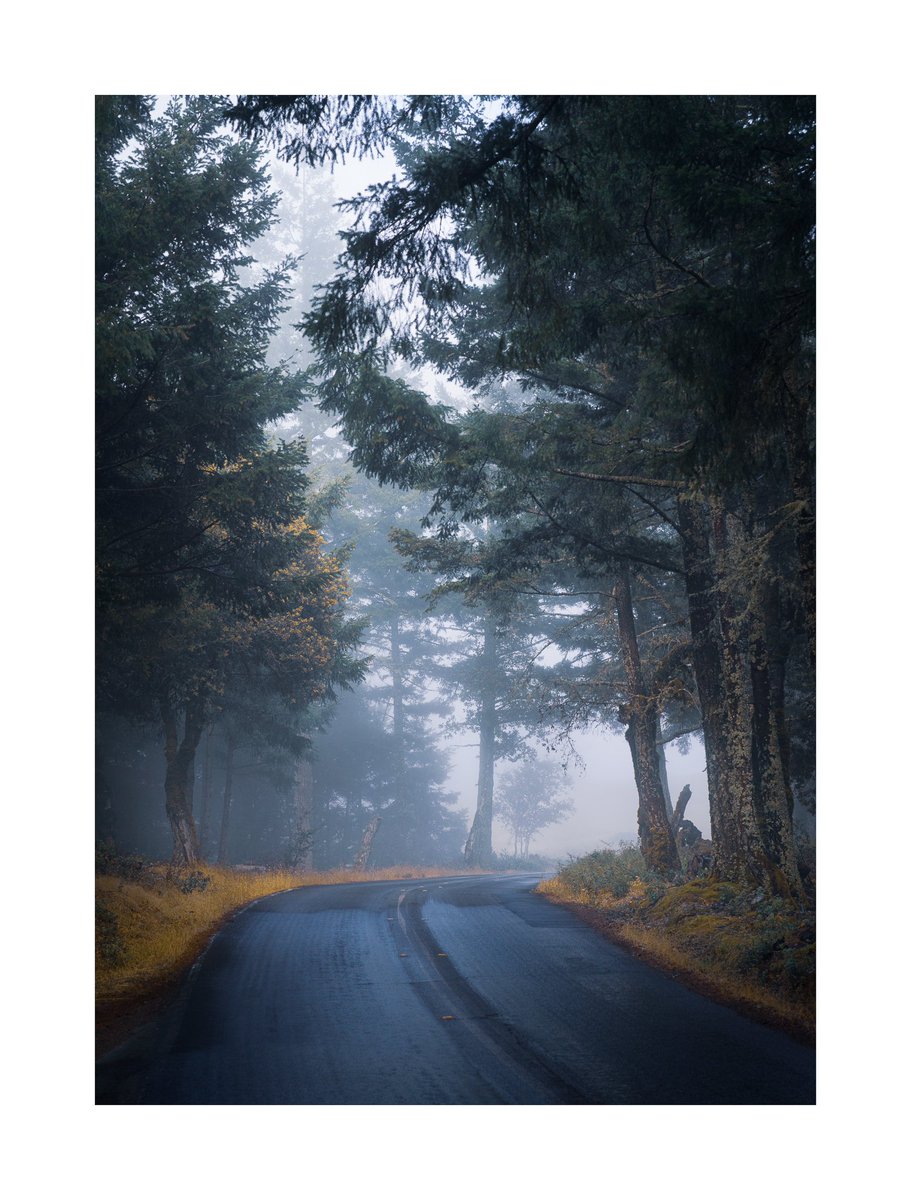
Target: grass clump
{"type": "Point", "coordinates": [522, 862]}
{"type": "Point", "coordinates": [150, 926]}
{"type": "Point", "coordinates": [602, 877]}
{"type": "Point", "coordinates": [754, 951]}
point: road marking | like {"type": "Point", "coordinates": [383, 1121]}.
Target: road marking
{"type": "Point", "coordinates": [400, 914]}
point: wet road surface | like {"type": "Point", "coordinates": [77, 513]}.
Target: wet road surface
{"type": "Point", "coordinates": [469, 990]}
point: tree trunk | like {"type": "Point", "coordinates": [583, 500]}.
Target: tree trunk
{"type": "Point", "coordinates": [206, 785]}
{"type": "Point", "coordinates": [665, 785]}
{"type": "Point", "coordinates": [692, 516]}
{"type": "Point", "coordinates": [743, 726]}
{"type": "Point", "coordinates": [749, 627]}
{"type": "Point", "coordinates": [773, 797]}
{"type": "Point", "coordinates": [400, 797]}
{"type": "Point", "coordinates": [799, 435]}
{"type": "Point", "coordinates": [682, 801]}
{"type": "Point", "coordinates": [363, 855]}
{"type": "Point", "coordinates": [398, 689]}
{"type": "Point", "coordinates": [180, 756]}
{"type": "Point", "coordinates": [739, 852]}
{"type": "Point", "coordinates": [479, 847]}
{"type": "Point", "coordinates": [191, 797]}
{"type": "Point", "coordinates": [301, 847]}
{"type": "Point", "coordinates": [227, 800]}
{"type": "Point", "coordinates": [658, 846]}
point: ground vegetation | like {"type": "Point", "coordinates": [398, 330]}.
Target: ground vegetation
{"type": "Point", "coordinates": [743, 947]}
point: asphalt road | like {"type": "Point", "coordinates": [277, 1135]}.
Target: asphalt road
{"type": "Point", "coordinates": [468, 990]}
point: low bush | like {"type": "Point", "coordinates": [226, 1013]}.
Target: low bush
{"type": "Point", "coordinates": [194, 881]}
{"type": "Point", "coordinates": [604, 873]}
{"type": "Point", "coordinates": [517, 862]}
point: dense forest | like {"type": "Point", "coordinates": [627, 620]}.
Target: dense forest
{"type": "Point", "coordinates": [529, 450]}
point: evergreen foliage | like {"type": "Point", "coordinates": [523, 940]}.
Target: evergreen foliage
{"type": "Point", "coordinates": [639, 272]}
{"type": "Point", "coordinates": [213, 584]}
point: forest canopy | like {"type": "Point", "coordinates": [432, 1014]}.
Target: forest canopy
{"type": "Point", "coordinates": [623, 287]}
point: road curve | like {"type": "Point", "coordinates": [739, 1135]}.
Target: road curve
{"type": "Point", "coordinates": [468, 990]}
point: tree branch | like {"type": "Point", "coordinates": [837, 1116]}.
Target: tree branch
{"type": "Point", "coordinates": [666, 257]}
{"type": "Point", "coordinates": [638, 480]}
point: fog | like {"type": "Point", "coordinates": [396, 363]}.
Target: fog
{"type": "Point", "coordinates": [446, 668]}
{"type": "Point", "coordinates": [597, 762]}
{"type": "Point", "coordinates": [603, 791]}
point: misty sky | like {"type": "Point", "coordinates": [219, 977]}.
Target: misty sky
{"type": "Point", "coordinates": [604, 793]}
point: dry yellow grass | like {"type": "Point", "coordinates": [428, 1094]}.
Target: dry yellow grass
{"type": "Point", "coordinates": [756, 958]}
{"type": "Point", "coordinates": [557, 889]}
{"type": "Point", "coordinates": [726, 985]}
{"type": "Point", "coordinates": [149, 931]}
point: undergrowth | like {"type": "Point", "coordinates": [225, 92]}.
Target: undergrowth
{"type": "Point", "coordinates": [744, 947]}
{"type": "Point", "coordinates": [604, 875]}
{"type": "Point", "coordinates": [521, 862]}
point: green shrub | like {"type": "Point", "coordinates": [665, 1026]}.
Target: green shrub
{"type": "Point", "coordinates": [195, 881]}
{"type": "Point", "coordinates": [611, 871]}
{"type": "Point", "coordinates": [518, 862]}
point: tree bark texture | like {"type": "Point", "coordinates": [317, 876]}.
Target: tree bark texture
{"type": "Point", "coordinates": [774, 798]}
{"type": "Point", "coordinates": [702, 602]}
{"type": "Point", "coordinates": [741, 697]}
{"type": "Point", "coordinates": [799, 431]}
{"type": "Point", "coordinates": [682, 801]}
{"type": "Point", "coordinates": [658, 846]}
{"type": "Point", "coordinates": [180, 753]}
{"type": "Point", "coordinates": [665, 785]}
{"type": "Point", "coordinates": [363, 855]}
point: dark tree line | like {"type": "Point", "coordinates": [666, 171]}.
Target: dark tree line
{"type": "Point", "coordinates": [225, 631]}
{"type": "Point", "coordinates": [219, 604]}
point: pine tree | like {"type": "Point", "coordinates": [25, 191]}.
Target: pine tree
{"type": "Point", "coordinates": [208, 566]}
{"type": "Point", "coordinates": [648, 267]}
